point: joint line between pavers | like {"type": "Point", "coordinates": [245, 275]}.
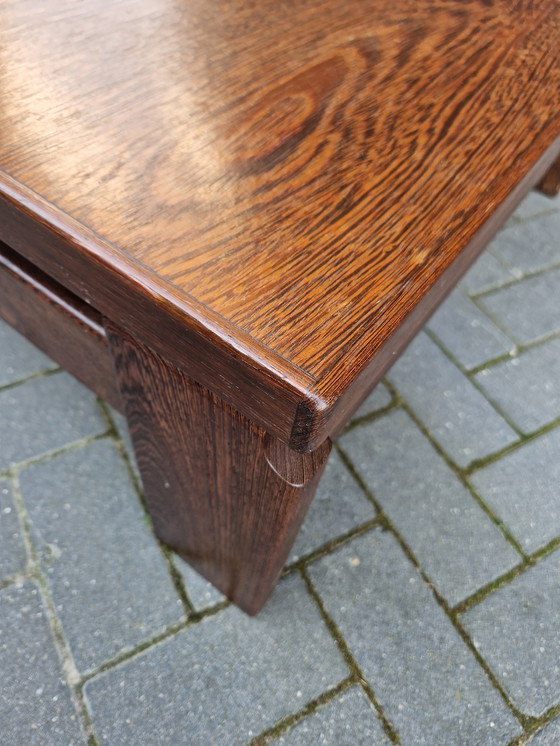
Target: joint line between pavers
{"type": "Point", "coordinates": [332, 544]}
{"type": "Point", "coordinates": [75, 445]}
{"type": "Point", "coordinates": [515, 220]}
{"type": "Point", "coordinates": [527, 560]}
{"type": "Point", "coordinates": [373, 415]}
{"type": "Point", "coordinates": [520, 350]}
{"type": "Point", "coordinates": [535, 724]}
{"type": "Point", "coordinates": [452, 617]}
{"type": "Point", "coordinates": [470, 372]}
{"type": "Point", "coordinates": [359, 481]}
{"type": "Point", "coordinates": [283, 726]}
{"type": "Point", "coordinates": [61, 645]}
{"type": "Point", "coordinates": [349, 658]}
{"type": "Point", "coordinates": [475, 297]}
{"type": "Point", "coordinates": [16, 579]}
{"type": "Point", "coordinates": [43, 373]}
{"type": "Point", "coordinates": [166, 634]}
{"type": "Point", "coordinates": [462, 474]}
{"type": "Point", "coordinates": [177, 581]}
{"type": "Point", "coordinates": [478, 464]}
{"type": "Point", "coordinates": [465, 371]}
{"type": "Point", "coordinates": [459, 628]}
{"type": "Point", "coordinates": [530, 561]}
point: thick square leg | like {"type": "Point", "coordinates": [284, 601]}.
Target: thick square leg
{"type": "Point", "coordinates": [550, 183]}
{"type": "Point", "coordinates": [221, 492]}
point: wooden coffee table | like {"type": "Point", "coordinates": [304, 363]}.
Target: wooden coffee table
{"type": "Point", "coordinates": [246, 210]}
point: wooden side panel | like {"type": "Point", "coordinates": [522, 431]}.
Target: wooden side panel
{"type": "Point", "coordinates": [550, 183]}
{"type": "Point", "coordinates": [221, 492]}
{"type": "Point", "coordinates": [63, 326]}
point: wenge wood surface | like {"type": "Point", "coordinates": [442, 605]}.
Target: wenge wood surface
{"type": "Point", "coordinates": [221, 491]}
{"type": "Point", "coordinates": [63, 326]}
{"type": "Point", "coordinates": [265, 193]}
{"type": "Point", "coordinates": [550, 183]}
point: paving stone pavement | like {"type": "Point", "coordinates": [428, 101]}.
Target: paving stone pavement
{"type": "Point", "coordinates": [421, 601]}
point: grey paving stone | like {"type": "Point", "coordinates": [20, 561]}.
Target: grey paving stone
{"type": "Point", "coordinates": [379, 398]}
{"type": "Point", "coordinates": [108, 577]}
{"type": "Point", "coordinates": [535, 204]}
{"type": "Point", "coordinates": [548, 736]}
{"type": "Point", "coordinates": [339, 505]}
{"type": "Point", "coordinates": [222, 681]}
{"type": "Point", "coordinates": [35, 704]}
{"type": "Point", "coordinates": [517, 631]}
{"type": "Point", "coordinates": [122, 429]}
{"type": "Point", "coordinates": [12, 551]}
{"type": "Point", "coordinates": [467, 332]}
{"type": "Point", "coordinates": [425, 678]}
{"type": "Point", "coordinates": [523, 489]}
{"type": "Point", "coordinates": [530, 246]}
{"type": "Point", "coordinates": [18, 357]}
{"type": "Point", "coordinates": [528, 309]}
{"type": "Point", "coordinates": [121, 426]}
{"type": "Point", "coordinates": [486, 273]}
{"type": "Point", "coordinates": [457, 415]}
{"type": "Point", "coordinates": [452, 538]}
{"type": "Point", "coordinates": [201, 593]}
{"type": "Point", "coordinates": [45, 414]}
{"type": "Point", "coordinates": [349, 719]}
{"type": "Point", "coordinates": [527, 387]}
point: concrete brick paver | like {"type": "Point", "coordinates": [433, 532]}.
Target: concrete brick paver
{"type": "Point", "coordinates": [485, 274]}
{"type": "Point", "coordinates": [523, 490]}
{"type": "Point", "coordinates": [528, 309]}
{"type": "Point", "coordinates": [121, 426]}
{"type": "Point", "coordinates": [45, 414]}
{"type": "Point", "coordinates": [517, 630]}
{"type": "Point", "coordinates": [469, 335]}
{"type": "Point", "coordinates": [217, 676]}
{"type": "Point", "coordinates": [224, 680]}
{"type": "Point", "coordinates": [200, 592]}
{"type": "Point", "coordinates": [349, 719]}
{"type": "Point", "coordinates": [379, 398]}
{"type": "Point", "coordinates": [535, 205]}
{"type": "Point", "coordinates": [527, 387]}
{"type": "Point", "coordinates": [338, 506]}
{"type": "Point", "coordinates": [35, 704]}
{"type": "Point", "coordinates": [454, 541]}
{"type": "Point", "coordinates": [12, 552]}
{"type": "Point", "coordinates": [20, 358]}
{"type": "Point", "coordinates": [424, 676]}
{"type": "Point", "coordinates": [548, 736]}
{"type": "Point", "coordinates": [457, 415]}
{"type": "Point", "coordinates": [529, 246]}
{"type": "Point", "coordinates": [108, 578]}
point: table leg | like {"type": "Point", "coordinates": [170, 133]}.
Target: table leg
{"type": "Point", "coordinates": [221, 492]}
{"type": "Point", "coordinates": [550, 183]}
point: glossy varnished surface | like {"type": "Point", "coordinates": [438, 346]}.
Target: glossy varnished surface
{"type": "Point", "coordinates": [292, 176]}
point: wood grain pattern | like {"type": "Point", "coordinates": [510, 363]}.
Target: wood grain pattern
{"type": "Point", "coordinates": [255, 381]}
{"type": "Point", "coordinates": [63, 326]}
{"type": "Point", "coordinates": [277, 185]}
{"type": "Point", "coordinates": [354, 389]}
{"type": "Point", "coordinates": [550, 183]}
{"type": "Point", "coordinates": [221, 492]}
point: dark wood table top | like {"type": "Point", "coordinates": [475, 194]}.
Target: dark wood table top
{"type": "Point", "coordinates": [265, 191]}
